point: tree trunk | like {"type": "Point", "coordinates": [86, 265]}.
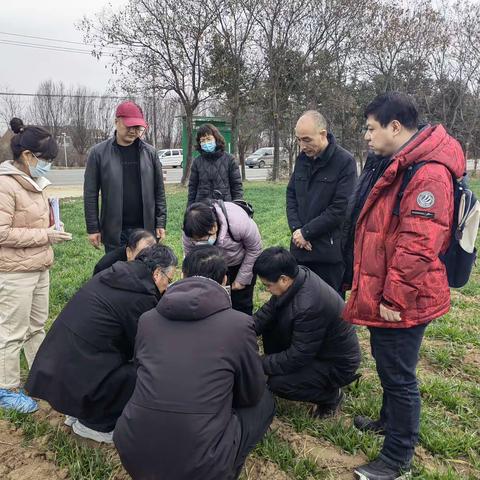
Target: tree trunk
{"type": "Point", "coordinates": [189, 125]}
{"type": "Point", "coordinates": [235, 119]}
{"type": "Point", "coordinates": [276, 137]}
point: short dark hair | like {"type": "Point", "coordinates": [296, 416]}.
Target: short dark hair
{"type": "Point", "coordinates": [275, 262]}
{"type": "Point", "coordinates": [199, 219]}
{"type": "Point", "coordinates": [137, 235]}
{"type": "Point", "coordinates": [157, 256]}
{"type": "Point", "coordinates": [36, 139]}
{"type": "Point", "coordinates": [205, 261]}
{"type": "Point", "coordinates": [393, 106]}
{"type": "Point", "coordinates": [209, 129]}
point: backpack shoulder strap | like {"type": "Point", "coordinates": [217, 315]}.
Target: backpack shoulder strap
{"type": "Point", "coordinates": [407, 176]}
{"type": "Point", "coordinates": [221, 204]}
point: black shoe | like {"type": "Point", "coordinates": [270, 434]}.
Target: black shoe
{"type": "Point", "coordinates": [325, 411]}
{"type": "Point", "coordinates": [366, 424]}
{"type": "Point", "coordinates": [379, 470]}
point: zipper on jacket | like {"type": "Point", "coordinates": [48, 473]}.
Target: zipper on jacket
{"type": "Point", "coordinates": [331, 240]}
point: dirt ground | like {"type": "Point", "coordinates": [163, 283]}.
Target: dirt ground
{"type": "Point", "coordinates": [20, 462]}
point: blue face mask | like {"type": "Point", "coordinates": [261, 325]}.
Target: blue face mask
{"type": "Point", "coordinates": [209, 147]}
{"type": "Point", "coordinates": [210, 241]}
{"type": "Point", "coordinates": [40, 169]}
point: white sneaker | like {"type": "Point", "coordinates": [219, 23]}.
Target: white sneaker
{"type": "Point", "coordinates": [85, 432]}
{"type": "Point", "coordinates": [69, 421]}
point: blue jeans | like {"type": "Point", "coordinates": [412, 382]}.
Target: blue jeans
{"type": "Point", "coordinates": [396, 355]}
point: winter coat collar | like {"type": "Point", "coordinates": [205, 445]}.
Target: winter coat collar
{"type": "Point", "coordinates": [428, 145]}
{"type": "Point", "coordinates": [192, 299]}
{"type": "Point", "coordinates": [131, 277]}
{"type": "Point", "coordinates": [28, 183]}
{"type": "Point", "coordinates": [321, 160]}
{"type": "Point", "coordinates": [213, 156]}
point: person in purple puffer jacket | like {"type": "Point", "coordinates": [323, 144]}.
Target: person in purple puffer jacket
{"type": "Point", "coordinates": [238, 239]}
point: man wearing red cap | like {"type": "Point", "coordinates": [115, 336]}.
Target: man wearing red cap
{"type": "Point", "coordinates": [127, 172]}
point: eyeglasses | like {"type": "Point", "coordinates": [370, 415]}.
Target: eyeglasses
{"type": "Point", "coordinates": [44, 159]}
{"type": "Point", "coordinates": [138, 130]}
{"type": "Point", "coordinates": [169, 279]}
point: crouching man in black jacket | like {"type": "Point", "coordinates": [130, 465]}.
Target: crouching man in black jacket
{"type": "Point", "coordinates": [310, 352]}
{"type": "Point", "coordinates": [200, 403]}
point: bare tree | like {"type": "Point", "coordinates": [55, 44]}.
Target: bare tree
{"type": "Point", "coordinates": [11, 106]}
{"type": "Point", "coordinates": [49, 106]}
{"type": "Point", "coordinates": [171, 46]}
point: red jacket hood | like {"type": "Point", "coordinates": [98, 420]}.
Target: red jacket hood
{"type": "Point", "coordinates": [435, 144]}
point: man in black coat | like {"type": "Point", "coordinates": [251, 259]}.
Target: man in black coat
{"type": "Point", "coordinates": [200, 404]}
{"type": "Point", "coordinates": [128, 173]}
{"type": "Point", "coordinates": [84, 367]}
{"type": "Point", "coordinates": [317, 198]}
{"type": "Point", "coordinates": [310, 352]}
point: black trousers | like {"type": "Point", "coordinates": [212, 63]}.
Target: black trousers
{"type": "Point", "coordinates": [242, 300]}
{"type": "Point", "coordinates": [331, 273]}
{"type": "Point", "coordinates": [396, 352]}
{"type": "Point", "coordinates": [254, 422]}
{"type": "Point", "coordinates": [317, 382]}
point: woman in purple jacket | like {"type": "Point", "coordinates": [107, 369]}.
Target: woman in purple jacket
{"type": "Point", "coordinates": [237, 237]}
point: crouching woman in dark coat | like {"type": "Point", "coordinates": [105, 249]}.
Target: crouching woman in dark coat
{"type": "Point", "coordinates": [310, 352]}
{"type": "Point", "coordinates": [84, 367]}
{"type": "Point", "coordinates": [200, 404]}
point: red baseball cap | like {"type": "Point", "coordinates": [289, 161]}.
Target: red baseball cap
{"type": "Point", "coordinates": [131, 114]}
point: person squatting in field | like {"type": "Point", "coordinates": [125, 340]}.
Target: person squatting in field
{"type": "Point", "coordinates": [84, 367]}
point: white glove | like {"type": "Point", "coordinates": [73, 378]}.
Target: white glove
{"type": "Point", "coordinates": [57, 236]}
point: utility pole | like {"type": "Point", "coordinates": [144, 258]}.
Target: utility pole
{"type": "Point", "coordinates": [65, 148]}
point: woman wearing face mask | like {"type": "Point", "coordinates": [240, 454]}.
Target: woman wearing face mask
{"type": "Point", "coordinates": [237, 237]}
{"type": "Point", "coordinates": [214, 169]}
{"type": "Point", "coordinates": [26, 255]}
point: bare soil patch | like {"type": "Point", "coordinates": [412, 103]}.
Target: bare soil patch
{"type": "Point", "coordinates": [337, 463]}
{"type": "Point", "coordinates": [19, 461]}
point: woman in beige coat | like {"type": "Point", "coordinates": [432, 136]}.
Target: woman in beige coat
{"type": "Point", "coordinates": [25, 256]}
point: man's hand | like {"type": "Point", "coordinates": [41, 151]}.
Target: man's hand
{"type": "Point", "coordinates": [300, 242]}
{"type": "Point", "coordinates": [389, 315]}
{"type": "Point", "coordinates": [237, 286]}
{"type": "Point", "coordinates": [161, 233]}
{"type": "Point", "coordinates": [95, 240]}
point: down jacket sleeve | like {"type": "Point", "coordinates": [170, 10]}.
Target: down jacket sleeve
{"type": "Point", "coordinates": [17, 237]}
{"type": "Point", "coordinates": [423, 233]}
{"type": "Point", "coordinates": [263, 317]}
{"type": "Point", "coordinates": [235, 180]}
{"type": "Point", "coordinates": [307, 338]}
{"type": "Point", "coordinates": [248, 234]}
{"type": "Point", "coordinates": [249, 383]}
{"type": "Point", "coordinates": [91, 189]}
{"type": "Point", "coordinates": [334, 214]}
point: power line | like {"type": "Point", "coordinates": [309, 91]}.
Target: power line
{"type": "Point", "coordinates": [55, 95]}
{"type": "Point", "coordinates": [49, 39]}
{"type": "Point", "coordinates": [47, 47]}
{"type": "Point", "coordinates": [42, 38]}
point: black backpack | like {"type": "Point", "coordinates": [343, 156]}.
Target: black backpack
{"type": "Point", "coordinates": [247, 207]}
{"type": "Point", "coordinates": [458, 261]}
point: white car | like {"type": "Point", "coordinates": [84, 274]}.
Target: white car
{"type": "Point", "coordinates": [171, 157]}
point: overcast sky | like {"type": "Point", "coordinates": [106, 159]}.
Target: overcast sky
{"type": "Point", "coordinates": [23, 68]}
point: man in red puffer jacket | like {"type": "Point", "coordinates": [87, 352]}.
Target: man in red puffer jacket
{"type": "Point", "coordinates": [399, 282]}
